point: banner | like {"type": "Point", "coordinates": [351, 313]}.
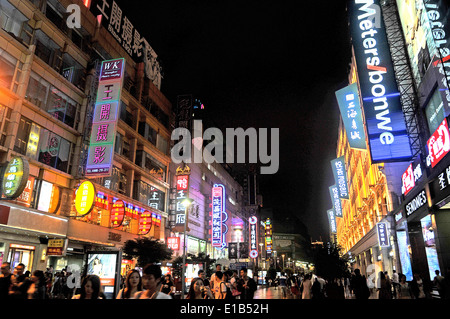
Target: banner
{"type": "Point", "coordinates": [340, 176]}
{"type": "Point", "coordinates": [383, 234]}
{"type": "Point", "coordinates": [332, 221]}
{"type": "Point", "coordinates": [336, 201]}
{"type": "Point", "coordinates": [351, 113]}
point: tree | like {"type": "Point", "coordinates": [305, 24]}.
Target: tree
{"type": "Point", "coordinates": [201, 258]}
{"type": "Point", "coordinates": [329, 262]}
{"type": "Point", "coordinates": [146, 251]}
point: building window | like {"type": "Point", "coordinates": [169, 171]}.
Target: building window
{"type": "Point", "coordinates": [5, 120]}
{"type": "Point", "coordinates": [434, 111]}
{"type": "Point", "coordinates": [51, 99]}
{"type": "Point", "coordinates": [7, 69]}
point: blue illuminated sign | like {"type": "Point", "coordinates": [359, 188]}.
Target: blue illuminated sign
{"type": "Point", "coordinates": [348, 100]}
{"type": "Point", "coordinates": [336, 201]}
{"type": "Point", "coordinates": [383, 235]}
{"type": "Point", "coordinates": [340, 176]}
{"type": "Point", "coordinates": [386, 128]}
{"type": "Point", "coordinates": [219, 217]}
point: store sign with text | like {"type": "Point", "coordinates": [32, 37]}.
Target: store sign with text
{"type": "Point", "coordinates": [411, 176]}
{"type": "Point", "coordinates": [173, 243]}
{"type": "Point", "coordinates": [219, 217]}
{"type": "Point", "coordinates": [332, 221]}
{"type": "Point", "coordinates": [117, 213]}
{"type": "Point", "coordinates": [417, 202]}
{"type": "Point", "coordinates": [350, 107]}
{"type": "Point", "coordinates": [438, 144]}
{"type": "Point", "coordinates": [340, 176]}
{"type": "Point", "coordinates": [15, 177]}
{"type": "Point", "coordinates": [268, 237]}
{"type": "Point", "coordinates": [104, 124]}
{"type": "Point", "coordinates": [383, 234]}
{"type": "Point", "coordinates": [386, 126]}
{"type": "Point", "coordinates": [337, 205]}
{"type": "Point", "coordinates": [145, 222]}
{"type": "Point", "coordinates": [253, 231]}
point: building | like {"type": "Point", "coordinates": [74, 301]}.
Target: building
{"type": "Point", "coordinates": [395, 217]}
{"type": "Point", "coordinates": [49, 83]}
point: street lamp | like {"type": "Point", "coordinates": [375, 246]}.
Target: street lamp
{"type": "Point", "coordinates": [187, 203]}
{"type": "Point", "coordinates": [283, 260]}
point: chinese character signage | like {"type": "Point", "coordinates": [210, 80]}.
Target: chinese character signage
{"type": "Point", "coordinates": [145, 222]}
{"type": "Point", "coordinates": [219, 217]}
{"type": "Point", "coordinates": [26, 196]}
{"type": "Point", "coordinates": [253, 225]}
{"type": "Point", "coordinates": [55, 247]}
{"type": "Point", "coordinates": [385, 121]}
{"type": "Point", "coordinates": [85, 198]}
{"type": "Point", "coordinates": [438, 144]}
{"type": "Point", "coordinates": [15, 177]}
{"type": "Point", "coordinates": [173, 243]}
{"type": "Point", "coordinates": [332, 221]}
{"type": "Point", "coordinates": [348, 100]}
{"type": "Point", "coordinates": [182, 193]}
{"type": "Point", "coordinates": [408, 181]}
{"type": "Point", "coordinates": [117, 213]}
{"type": "Point", "coordinates": [340, 176]}
{"type": "Point", "coordinates": [104, 124]}
{"type": "Point", "coordinates": [111, 16]}
{"type": "Point", "coordinates": [268, 237]}
{"type": "Point", "coordinates": [383, 235]}
{"type": "Point", "coordinates": [336, 201]}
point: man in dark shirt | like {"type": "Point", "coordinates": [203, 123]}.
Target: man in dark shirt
{"type": "Point", "coordinates": [202, 275]}
{"type": "Point", "coordinates": [5, 280]}
{"type": "Point", "coordinates": [20, 283]}
{"type": "Point", "coordinates": [246, 285]}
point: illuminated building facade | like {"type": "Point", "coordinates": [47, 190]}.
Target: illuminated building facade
{"type": "Point", "coordinates": [49, 85]}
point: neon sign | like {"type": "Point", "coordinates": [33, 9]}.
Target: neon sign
{"type": "Point", "coordinates": [219, 217]}
{"type": "Point", "coordinates": [268, 237]}
{"type": "Point", "coordinates": [104, 124]}
{"type": "Point", "coordinates": [15, 177]}
{"type": "Point", "coordinates": [438, 144]}
{"type": "Point", "coordinates": [253, 222]}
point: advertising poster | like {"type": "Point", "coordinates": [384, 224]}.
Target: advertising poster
{"type": "Point", "coordinates": [430, 245]}
{"type": "Point", "coordinates": [104, 265]}
{"type": "Point", "coordinates": [405, 258]}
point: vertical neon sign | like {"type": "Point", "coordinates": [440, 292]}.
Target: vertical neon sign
{"type": "Point", "coordinates": [253, 222]}
{"type": "Point", "coordinates": [219, 217]}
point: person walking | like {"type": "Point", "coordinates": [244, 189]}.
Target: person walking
{"type": "Point", "coordinates": [211, 282]}
{"type": "Point", "coordinates": [220, 288]}
{"type": "Point", "coordinates": [306, 287]}
{"type": "Point", "coordinates": [133, 284]}
{"type": "Point", "coordinates": [418, 287]}
{"type": "Point", "coordinates": [359, 286]}
{"type": "Point", "coordinates": [38, 287]}
{"type": "Point", "coordinates": [247, 286]}
{"type": "Point", "coordinates": [395, 283]}
{"type": "Point", "coordinates": [5, 280]}
{"type": "Point", "coordinates": [384, 286]}
{"type": "Point", "coordinates": [19, 283]}
{"type": "Point", "coordinates": [91, 288]}
{"type": "Point", "coordinates": [404, 290]}
{"type": "Point", "coordinates": [167, 286]}
{"type": "Point", "coordinates": [439, 283]}
{"type": "Point", "coordinates": [151, 281]}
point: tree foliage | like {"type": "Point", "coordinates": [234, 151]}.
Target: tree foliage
{"type": "Point", "coordinates": [201, 258]}
{"type": "Point", "coordinates": [329, 262]}
{"type": "Point", "coordinates": [146, 251]}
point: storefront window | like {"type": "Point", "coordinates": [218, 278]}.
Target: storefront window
{"type": "Point", "coordinates": [404, 252]}
{"type": "Point", "coordinates": [434, 111]}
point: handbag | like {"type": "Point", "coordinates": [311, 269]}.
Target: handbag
{"type": "Point", "coordinates": [235, 292]}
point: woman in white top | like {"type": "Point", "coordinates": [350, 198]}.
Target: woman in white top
{"type": "Point", "coordinates": [133, 284]}
{"type": "Point", "coordinates": [306, 287]}
{"type": "Point", "coordinates": [91, 288]}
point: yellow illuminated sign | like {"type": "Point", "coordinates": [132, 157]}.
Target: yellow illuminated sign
{"type": "Point", "coordinates": [85, 198]}
{"type": "Point", "coordinates": [15, 177]}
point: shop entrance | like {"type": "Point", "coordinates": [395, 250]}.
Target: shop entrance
{"type": "Point", "coordinates": [21, 254]}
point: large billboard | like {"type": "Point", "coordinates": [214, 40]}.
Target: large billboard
{"type": "Point", "coordinates": [386, 127]}
{"type": "Point", "coordinates": [351, 113]}
{"type": "Point", "coordinates": [104, 124]}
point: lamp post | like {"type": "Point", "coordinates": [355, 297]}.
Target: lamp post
{"type": "Point", "coordinates": [187, 203]}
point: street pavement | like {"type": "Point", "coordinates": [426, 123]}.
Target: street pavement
{"type": "Point", "coordinates": [264, 292]}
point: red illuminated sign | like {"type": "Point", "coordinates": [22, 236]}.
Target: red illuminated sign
{"type": "Point", "coordinates": [182, 182]}
{"type": "Point", "coordinates": [408, 180]}
{"type": "Point", "coordinates": [173, 243]}
{"type": "Point", "coordinates": [145, 222]}
{"type": "Point", "coordinates": [438, 144]}
{"type": "Point", "coordinates": [117, 213]}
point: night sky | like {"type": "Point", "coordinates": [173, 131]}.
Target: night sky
{"type": "Point", "coordinates": [261, 64]}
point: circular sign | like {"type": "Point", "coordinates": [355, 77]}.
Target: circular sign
{"type": "Point", "coordinates": [253, 220]}
{"type": "Point", "coordinates": [117, 213]}
{"type": "Point", "coordinates": [253, 254]}
{"type": "Point", "coordinates": [15, 177]}
{"type": "Point", "coordinates": [85, 198]}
